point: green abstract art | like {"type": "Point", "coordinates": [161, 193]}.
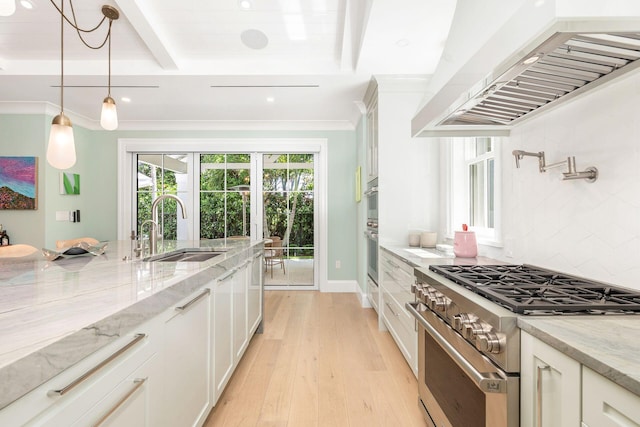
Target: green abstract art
{"type": "Point", "coordinates": [69, 183]}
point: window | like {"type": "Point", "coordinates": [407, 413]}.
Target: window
{"type": "Point", "coordinates": [473, 192]}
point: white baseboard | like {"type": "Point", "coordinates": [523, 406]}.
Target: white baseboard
{"type": "Point", "coordinates": [340, 286]}
{"type": "Point", "coordinates": [364, 299]}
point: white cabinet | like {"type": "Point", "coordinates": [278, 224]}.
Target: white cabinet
{"type": "Point", "coordinates": [373, 293]}
{"type": "Point", "coordinates": [223, 332]}
{"type": "Point", "coordinates": [550, 386]}
{"type": "Point", "coordinates": [254, 297]}
{"type": "Point", "coordinates": [187, 348]}
{"type": "Point", "coordinates": [396, 281]}
{"type": "Point", "coordinates": [606, 404]}
{"type": "Point", "coordinates": [371, 100]}
{"type": "Point", "coordinates": [120, 382]}
{"type": "Point", "coordinates": [133, 403]}
{"type": "Point", "coordinates": [240, 322]}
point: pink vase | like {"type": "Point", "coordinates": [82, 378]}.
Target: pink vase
{"type": "Point", "coordinates": [465, 245]}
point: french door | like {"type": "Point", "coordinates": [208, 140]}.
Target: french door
{"type": "Point", "coordinates": [232, 195]}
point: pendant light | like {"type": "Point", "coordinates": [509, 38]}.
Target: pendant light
{"type": "Point", "coordinates": [61, 151]}
{"type": "Point", "coordinates": [109, 116]}
{"type": "Point", "coordinates": [7, 7]}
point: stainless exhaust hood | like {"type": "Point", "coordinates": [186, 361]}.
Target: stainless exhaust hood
{"type": "Point", "coordinates": [564, 65]}
{"type": "Point", "coordinates": [528, 61]}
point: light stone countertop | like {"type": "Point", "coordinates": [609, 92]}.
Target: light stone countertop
{"type": "Point", "coordinates": [607, 344]}
{"type": "Point", "coordinates": [610, 345]}
{"type": "Point", "coordinates": [55, 313]}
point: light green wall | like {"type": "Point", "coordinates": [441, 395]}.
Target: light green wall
{"type": "Point", "coordinates": [97, 165]}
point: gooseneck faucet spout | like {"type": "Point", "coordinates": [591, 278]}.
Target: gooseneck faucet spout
{"type": "Point", "coordinates": [153, 236]}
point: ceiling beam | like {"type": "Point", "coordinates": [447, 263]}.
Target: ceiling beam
{"type": "Point", "coordinates": [142, 21]}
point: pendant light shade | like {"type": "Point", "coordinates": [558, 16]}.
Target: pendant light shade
{"type": "Point", "coordinates": [7, 7]}
{"type": "Point", "coordinates": [109, 116]}
{"type": "Point", "coordinates": [61, 151]}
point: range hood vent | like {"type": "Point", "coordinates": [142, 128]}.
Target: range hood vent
{"type": "Point", "coordinates": [563, 66]}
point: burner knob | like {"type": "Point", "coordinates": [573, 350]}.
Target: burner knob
{"type": "Point", "coordinates": [438, 302]}
{"type": "Point", "coordinates": [470, 330]}
{"type": "Point", "coordinates": [427, 291]}
{"type": "Point", "coordinates": [490, 342]}
{"type": "Point", "coordinates": [459, 320]}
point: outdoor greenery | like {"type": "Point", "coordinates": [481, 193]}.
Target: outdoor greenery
{"type": "Point", "coordinates": [224, 181]}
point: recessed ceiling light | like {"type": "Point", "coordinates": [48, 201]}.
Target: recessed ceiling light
{"type": "Point", "coordinates": [125, 99]}
{"type": "Point", "coordinates": [245, 4]}
{"type": "Point", "coordinates": [539, 3]}
{"type": "Point", "coordinates": [402, 43]}
{"type": "Point", "coordinates": [254, 39]}
{"type": "Point", "coordinates": [271, 99]}
{"type": "Point", "coordinates": [27, 4]}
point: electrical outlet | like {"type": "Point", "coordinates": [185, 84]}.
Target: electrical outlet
{"type": "Point", "coordinates": [338, 265]}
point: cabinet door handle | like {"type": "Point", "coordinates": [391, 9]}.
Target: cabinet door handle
{"type": "Point", "coordinates": [137, 383]}
{"type": "Point", "coordinates": [539, 370]}
{"type": "Point", "coordinates": [193, 301]}
{"type": "Point", "coordinates": [390, 309]}
{"type": "Point", "coordinates": [228, 275]}
{"type": "Point", "coordinates": [73, 384]}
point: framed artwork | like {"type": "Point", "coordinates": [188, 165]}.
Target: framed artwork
{"type": "Point", "coordinates": [69, 183]}
{"type": "Point", "coordinates": [18, 182]}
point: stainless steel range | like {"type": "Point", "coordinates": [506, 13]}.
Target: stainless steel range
{"type": "Point", "coordinates": [469, 342]}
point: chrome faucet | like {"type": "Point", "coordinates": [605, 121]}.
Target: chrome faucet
{"type": "Point", "coordinates": [153, 235]}
{"type": "Point", "coordinates": [590, 174]}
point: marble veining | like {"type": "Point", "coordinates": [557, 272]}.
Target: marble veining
{"type": "Point", "coordinates": [55, 313]}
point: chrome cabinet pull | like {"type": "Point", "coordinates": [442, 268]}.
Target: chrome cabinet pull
{"type": "Point", "coordinates": [228, 275]}
{"type": "Point", "coordinates": [137, 383]}
{"type": "Point", "coordinates": [77, 381]}
{"type": "Point", "coordinates": [391, 309]}
{"type": "Point", "coordinates": [193, 301]}
{"type": "Point", "coordinates": [539, 371]}
{"type": "Point", "coordinates": [487, 381]}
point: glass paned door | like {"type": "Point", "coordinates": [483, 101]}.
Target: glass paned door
{"type": "Point", "coordinates": [159, 174]}
{"type": "Point", "coordinates": [225, 195]}
{"type": "Point", "coordinates": [288, 195]}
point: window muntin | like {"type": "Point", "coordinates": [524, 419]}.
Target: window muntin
{"type": "Point", "coordinates": [473, 195]}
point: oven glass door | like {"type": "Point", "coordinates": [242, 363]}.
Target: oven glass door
{"type": "Point", "coordinates": [462, 402]}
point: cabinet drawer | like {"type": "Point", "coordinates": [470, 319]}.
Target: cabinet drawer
{"type": "Point", "coordinates": [402, 327]}
{"type": "Point", "coordinates": [606, 404]}
{"type": "Point", "coordinates": [66, 397]}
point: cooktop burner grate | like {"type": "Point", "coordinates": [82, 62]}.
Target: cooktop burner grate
{"type": "Point", "coordinates": [526, 289]}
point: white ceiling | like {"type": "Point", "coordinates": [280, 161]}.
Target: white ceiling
{"type": "Point", "coordinates": [183, 63]}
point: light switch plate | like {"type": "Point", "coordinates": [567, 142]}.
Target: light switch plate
{"type": "Point", "coordinates": [62, 215]}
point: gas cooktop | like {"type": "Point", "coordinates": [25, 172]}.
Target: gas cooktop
{"type": "Point", "coordinates": [526, 289]}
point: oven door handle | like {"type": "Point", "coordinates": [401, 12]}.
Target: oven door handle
{"type": "Point", "coordinates": [489, 382]}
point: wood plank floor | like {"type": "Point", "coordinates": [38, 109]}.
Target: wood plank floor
{"type": "Point", "coordinates": [320, 362]}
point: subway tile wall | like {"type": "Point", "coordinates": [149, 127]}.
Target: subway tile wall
{"type": "Point", "coordinates": [587, 229]}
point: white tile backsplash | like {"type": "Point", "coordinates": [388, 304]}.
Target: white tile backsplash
{"type": "Point", "coordinates": [590, 230]}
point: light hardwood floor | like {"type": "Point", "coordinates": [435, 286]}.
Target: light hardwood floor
{"type": "Point", "coordinates": [320, 362]}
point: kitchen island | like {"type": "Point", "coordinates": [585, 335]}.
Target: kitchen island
{"type": "Point", "coordinates": [54, 314]}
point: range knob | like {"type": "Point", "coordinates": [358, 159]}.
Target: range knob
{"type": "Point", "coordinates": [459, 320]}
{"type": "Point", "coordinates": [470, 330]}
{"type": "Point", "coordinates": [438, 302]}
{"type": "Point", "coordinates": [427, 292]}
{"type": "Point", "coordinates": [490, 342]}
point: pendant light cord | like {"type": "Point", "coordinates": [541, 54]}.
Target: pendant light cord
{"type": "Point", "coordinates": [61, 57]}
{"type": "Point", "coordinates": [109, 79]}
{"type": "Point", "coordinates": [79, 30]}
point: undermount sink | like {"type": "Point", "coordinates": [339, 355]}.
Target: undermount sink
{"type": "Point", "coordinates": [186, 255]}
